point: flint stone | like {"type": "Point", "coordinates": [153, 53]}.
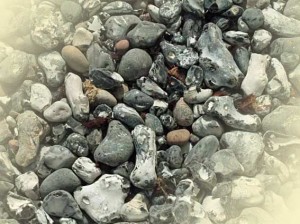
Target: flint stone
{"type": "Point", "coordinates": [28, 184]}
{"type": "Point", "coordinates": [59, 157]}
{"type": "Point", "coordinates": [261, 39]}
{"type": "Point", "coordinates": [103, 199]}
{"type": "Point", "coordinates": [158, 71]}
{"type": "Point", "coordinates": [170, 11]}
{"type": "Point", "coordinates": [151, 88]}
{"type": "Point", "coordinates": [206, 125]}
{"type": "Point", "coordinates": [77, 144]}
{"type": "Point", "coordinates": [241, 57]}
{"type": "Point", "coordinates": [138, 100]}
{"type": "Point", "coordinates": [118, 8]}
{"type": "Point", "coordinates": [154, 123]}
{"type": "Point", "coordinates": [127, 115]}
{"type": "Point", "coordinates": [40, 97]}
{"type": "Point", "coordinates": [116, 147]}
{"type": "Point", "coordinates": [86, 169]}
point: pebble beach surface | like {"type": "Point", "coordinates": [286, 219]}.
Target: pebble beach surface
{"type": "Point", "coordinates": [149, 111]}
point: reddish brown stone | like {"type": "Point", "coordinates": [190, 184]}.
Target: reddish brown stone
{"type": "Point", "coordinates": [178, 137]}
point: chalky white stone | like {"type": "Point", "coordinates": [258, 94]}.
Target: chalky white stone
{"type": "Point", "coordinates": [86, 169]}
{"type": "Point", "coordinates": [40, 98]}
{"type": "Point", "coordinates": [28, 184]}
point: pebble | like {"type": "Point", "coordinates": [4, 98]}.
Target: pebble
{"type": "Point", "coordinates": [158, 71]}
{"type": "Point", "coordinates": [86, 169]}
{"type": "Point", "coordinates": [103, 199]}
{"type": "Point", "coordinates": [117, 146]}
{"type": "Point", "coordinates": [194, 76]}
{"type": "Point", "coordinates": [138, 100]}
{"type": "Point", "coordinates": [274, 166]}
{"type": "Point", "coordinates": [261, 40]}
{"type": "Point", "coordinates": [207, 125]}
{"type": "Point", "coordinates": [289, 60]}
{"type": "Point", "coordinates": [119, 91]}
{"type": "Point", "coordinates": [170, 11]}
{"type": "Point", "coordinates": [62, 179]}
{"type": "Point", "coordinates": [124, 169]}
{"type": "Point", "coordinates": [280, 45]}
{"type": "Point", "coordinates": [195, 95]}
{"type": "Point", "coordinates": [28, 184]}
{"type": "Point", "coordinates": [59, 111]}
{"type": "Point", "coordinates": [60, 203]}
{"type": "Point", "coordinates": [217, 6]}
{"type": "Point", "coordinates": [214, 209]}
{"type": "Point", "coordinates": [31, 131]}
{"type": "Point", "coordinates": [77, 144]}
{"type": "Point", "coordinates": [75, 59]}
{"type": "Point", "coordinates": [54, 67]}
{"type": "Point", "coordinates": [294, 77]}
{"type": "Point", "coordinates": [153, 122]}
{"type": "Point", "coordinates": [144, 175]}
{"type": "Point", "coordinates": [71, 11]}
{"type": "Point", "coordinates": [168, 121]}
{"type": "Point", "coordinates": [127, 115]}
{"type": "Point", "coordinates": [94, 138]}
{"type": "Point", "coordinates": [253, 213]}
{"type": "Point", "coordinates": [203, 176]}
{"type": "Point", "coordinates": [145, 34]}
{"type": "Point", "coordinates": [236, 38]}
{"type": "Point", "coordinates": [117, 8]}
{"type": "Point", "coordinates": [122, 46]}
{"type": "Point", "coordinates": [58, 157]}
{"type": "Point", "coordinates": [40, 97]}
{"type": "Point", "coordinates": [195, 7]}
{"type": "Point", "coordinates": [151, 88]}
{"type": "Point", "coordinates": [253, 17]}
{"type": "Point", "coordinates": [161, 214]}
{"type": "Point", "coordinates": [135, 64]}
{"type": "Point", "coordinates": [291, 9]}
{"type": "Point", "coordinates": [5, 133]}
{"type": "Point", "coordinates": [183, 114]}
{"type": "Point", "coordinates": [105, 79]}
{"type": "Point", "coordinates": [82, 38]}
{"type": "Point", "coordinates": [174, 157]}
{"type": "Point", "coordinates": [178, 137]}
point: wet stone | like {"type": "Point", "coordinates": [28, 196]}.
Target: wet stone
{"type": "Point", "coordinates": [127, 115]}
{"type": "Point", "coordinates": [138, 100]}
{"type": "Point", "coordinates": [77, 144]}
{"type": "Point", "coordinates": [86, 169]}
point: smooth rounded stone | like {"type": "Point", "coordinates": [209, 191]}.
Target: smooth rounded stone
{"type": "Point", "coordinates": [280, 45]}
{"type": "Point", "coordinates": [135, 64]}
{"type": "Point", "coordinates": [291, 9]}
{"type": "Point", "coordinates": [118, 8]}
{"type": "Point", "coordinates": [195, 95]}
{"type": "Point", "coordinates": [294, 77]}
{"type": "Point", "coordinates": [183, 114]}
{"type": "Point", "coordinates": [204, 149]}
{"type": "Point", "coordinates": [59, 157]}
{"type": "Point", "coordinates": [151, 88]}
{"type": "Point", "coordinates": [59, 111]}
{"type": "Point", "coordinates": [195, 7]}
{"type": "Point", "coordinates": [122, 46]}
{"type": "Point", "coordinates": [170, 11]}
{"type": "Point", "coordinates": [279, 24]}
{"type": "Point", "coordinates": [127, 115]}
{"type": "Point", "coordinates": [54, 67]}
{"type": "Point", "coordinates": [198, 110]}
{"type": "Point", "coordinates": [98, 58]}
{"type": "Point", "coordinates": [14, 68]}
{"type": "Point", "coordinates": [161, 214]}
{"type": "Point", "coordinates": [75, 59]}
{"type": "Point", "coordinates": [154, 123]}
{"type": "Point", "coordinates": [103, 199]}
{"type": "Point", "coordinates": [79, 103]}
{"type": "Point", "coordinates": [28, 184]}
{"type": "Point", "coordinates": [117, 146]}
{"type": "Point", "coordinates": [218, 72]}
{"type": "Point", "coordinates": [242, 26]}
{"type": "Point", "coordinates": [7, 170]}
{"type": "Point", "coordinates": [144, 175]}
{"type": "Point", "coordinates": [180, 55]}
{"type": "Point", "coordinates": [217, 6]}
{"type": "Point", "coordinates": [279, 85]}
{"type": "Point", "coordinates": [233, 12]}
{"type": "Point", "coordinates": [145, 34]}
{"type": "Point", "coordinates": [178, 137]}
{"type": "Point", "coordinates": [284, 119]}
{"type": "Point", "coordinates": [31, 131]}
{"type": "Point", "coordinates": [117, 26]}
{"type": "Point", "coordinates": [248, 148]}
{"type": "Point", "coordinates": [82, 38]}
{"type": "Point", "coordinates": [71, 11]}
{"type": "Point", "coordinates": [263, 105]}
{"type": "Point", "coordinates": [105, 79]}
{"type": "Point", "coordinates": [138, 100]}
{"type": "Point", "coordinates": [256, 78]}
{"type": "Point", "coordinates": [253, 17]}
{"type": "Point", "coordinates": [168, 121]}
{"type": "Point", "coordinates": [174, 157]}
{"type": "Point", "coordinates": [289, 60]}
{"type": "Point", "coordinates": [214, 209]}
{"type": "Point", "coordinates": [40, 97]}
{"type": "Point", "coordinates": [77, 144]}
{"type": "Point", "coordinates": [86, 169]}
{"type": "Point", "coordinates": [261, 40]}
{"type": "Point", "coordinates": [274, 166]}
{"type": "Point", "coordinates": [62, 179]}
{"type": "Point", "coordinates": [236, 38]}
{"type": "Point", "coordinates": [206, 125]}
{"type": "Point", "coordinates": [60, 203]}
{"type": "Point", "coordinates": [194, 76]}
{"type": "Point", "coordinates": [136, 210]}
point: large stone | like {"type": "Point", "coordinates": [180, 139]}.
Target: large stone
{"type": "Point", "coordinates": [292, 9]}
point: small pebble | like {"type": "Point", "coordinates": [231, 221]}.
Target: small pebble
{"type": "Point", "coordinates": [40, 98]}
{"type": "Point", "coordinates": [75, 59]}
{"type": "Point", "coordinates": [178, 137]}
{"type": "Point", "coordinates": [77, 144]}
{"type": "Point", "coordinates": [59, 111]}
{"type": "Point", "coordinates": [183, 114]}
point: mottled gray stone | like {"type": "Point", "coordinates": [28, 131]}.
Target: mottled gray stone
{"type": "Point", "coordinates": [174, 156]}
{"type": "Point", "coordinates": [151, 88]}
{"type": "Point", "coordinates": [59, 157]}
{"type": "Point", "coordinates": [77, 144]}
{"type": "Point", "coordinates": [118, 8]}
{"type": "Point", "coordinates": [170, 11]}
{"type": "Point", "coordinates": [236, 38]}
{"type": "Point", "coordinates": [138, 100]}
{"type": "Point", "coordinates": [195, 96]}
{"type": "Point", "coordinates": [253, 17]}
{"type": "Point", "coordinates": [40, 97]}
{"type": "Point", "coordinates": [86, 169]}
{"type": "Point", "coordinates": [206, 125]}
{"type": "Point", "coordinates": [154, 123]}
{"type": "Point", "coordinates": [71, 11]}
{"type": "Point", "coordinates": [127, 115]}
{"type": "Point", "coordinates": [261, 39]}
{"type": "Point", "coordinates": [28, 184]}
{"type": "Point", "coordinates": [196, 7]}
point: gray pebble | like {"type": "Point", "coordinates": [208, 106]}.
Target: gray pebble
{"type": "Point", "coordinates": [94, 138]}
{"type": "Point", "coordinates": [196, 7]}
{"type": "Point", "coordinates": [253, 17]}
{"type": "Point", "coordinates": [242, 26]}
{"type": "Point", "coordinates": [71, 11]}
{"type": "Point", "coordinates": [289, 60]}
{"type": "Point", "coordinates": [203, 176]}
{"type": "Point", "coordinates": [168, 121]}
{"type": "Point", "coordinates": [98, 58]}
{"type": "Point", "coordinates": [59, 111]}
{"type": "Point", "coordinates": [196, 95]}
{"type": "Point", "coordinates": [170, 11]}
{"type": "Point", "coordinates": [118, 8]}
{"type": "Point", "coordinates": [206, 125]}
{"type": "Point", "coordinates": [82, 38]}
{"type": "Point", "coordinates": [236, 38]}
{"type": "Point", "coordinates": [105, 79]}
{"type": "Point", "coordinates": [159, 107]}
{"type": "Point", "coordinates": [124, 169]}
{"type": "Point", "coordinates": [127, 115]}
{"type": "Point", "coordinates": [138, 100]}
{"type": "Point", "coordinates": [194, 76]}
{"type": "Point", "coordinates": [261, 39]}
{"type": "Point", "coordinates": [59, 157]}
{"type": "Point", "coordinates": [154, 123]}
{"type": "Point", "coordinates": [161, 214]}
{"type": "Point", "coordinates": [86, 169]}
{"type": "Point", "coordinates": [77, 144]}
{"type": "Point", "coordinates": [217, 6]}
{"type": "Point", "coordinates": [151, 88]}
{"type": "Point", "coordinates": [158, 71]}
{"type": "Point", "coordinates": [40, 97]}
{"type": "Point", "coordinates": [183, 114]}
{"type": "Point", "coordinates": [28, 184]}
{"type": "Point", "coordinates": [174, 157]}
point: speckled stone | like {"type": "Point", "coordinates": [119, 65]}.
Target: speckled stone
{"type": "Point", "coordinates": [75, 59]}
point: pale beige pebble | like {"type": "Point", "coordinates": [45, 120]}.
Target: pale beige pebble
{"type": "Point", "coordinates": [75, 59]}
{"type": "Point", "coordinates": [178, 137]}
{"type": "Point", "coordinates": [82, 38]}
{"type": "Point", "coordinates": [183, 114]}
{"type": "Point", "coordinates": [120, 91]}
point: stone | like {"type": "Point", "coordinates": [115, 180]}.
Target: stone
{"type": "Point", "coordinates": [214, 209]}
{"type": "Point", "coordinates": [170, 11]}
{"type": "Point", "coordinates": [291, 9]}
{"type": "Point", "coordinates": [77, 144]}
{"type": "Point", "coordinates": [196, 7]}
{"type": "Point", "coordinates": [117, 146]}
{"type": "Point", "coordinates": [280, 45]}
{"type": "Point", "coordinates": [59, 157]}
{"type": "Point", "coordinates": [256, 78]}
{"type": "Point", "coordinates": [7, 170]}
{"type": "Point", "coordinates": [236, 38]}
{"type": "Point", "coordinates": [274, 166]}
{"type": "Point", "coordinates": [61, 203]}
{"type": "Point", "coordinates": [5, 133]}
{"type": "Point", "coordinates": [261, 40]}
{"type": "Point", "coordinates": [194, 76]}
{"type": "Point", "coordinates": [289, 60]}
{"type": "Point", "coordinates": [168, 121]}
{"type": "Point", "coordinates": [86, 169]}
{"type": "Point", "coordinates": [158, 71]}
{"type": "Point", "coordinates": [203, 176]}
{"type": "Point", "coordinates": [144, 175]}
{"type": "Point", "coordinates": [241, 56]}
{"type": "Point", "coordinates": [79, 103]}
{"type": "Point", "coordinates": [145, 34]}
{"type": "Point", "coordinates": [82, 38]}
{"type": "Point", "coordinates": [248, 148]}
{"type": "Point", "coordinates": [103, 199]}
{"type": "Point", "coordinates": [118, 8]}
{"type": "Point", "coordinates": [59, 111]}
{"type": "Point", "coordinates": [279, 24]}
{"type": "Point", "coordinates": [62, 179]}
{"type": "Point", "coordinates": [178, 137]}
{"type": "Point", "coordinates": [40, 97]}
{"type": "Point", "coordinates": [217, 6]}
{"type": "Point", "coordinates": [98, 58]}
{"type": "Point", "coordinates": [295, 77]}
{"type": "Point", "coordinates": [284, 120]}
{"type": "Point", "coordinates": [206, 125]}
{"type": "Point", "coordinates": [154, 123]}
{"type": "Point", "coordinates": [127, 115]}
{"type": "Point", "coordinates": [195, 95]}
{"type": "Point", "coordinates": [71, 11]}
{"type": "Point", "coordinates": [161, 214]}
{"type": "Point", "coordinates": [135, 64]}
{"type": "Point", "coordinates": [75, 59]}
{"type": "Point", "coordinates": [253, 215]}
{"type": "Point", "coordinates": [28, 184]}
{"type": "Point", "coordinates": [253, 17]}
{"type": "Point", "coordinates": [136, 210]}
{"type": "Point", "coordinates": [174, 156]}
{"type": "Point", "coordinates": [32, 130]}
{"type": "Point", "coordinates": [124, 169]}
{"type": "Point", "coordinates": [183, 114]}
{"type": "Point", "coordinates": [94, 138]}
{"type": "Point", "coordinates": [217, 73]}
{"type": "Point", "coordinates": [122, 46]}
{"type": "Point", "coordinates": [152, 89]}
{"type": "Point", "coordinates": [105, 79]}
{"type": "Point", "coordinates": [54, 67]}
{"type": "Point", "coordinates": [138, 100]}
{"type": "Point", "coordinates": [5, 187]}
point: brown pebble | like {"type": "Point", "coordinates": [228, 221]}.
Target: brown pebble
{"type": "Point", "coordinates": [178, 137]}
{"type": "Point", "coordinates": [122, 46]}
{"type": "Point", "coordinates": [75, 59]}
{"type": "Point", "coordinates": [183, 114]}
{"type": "Point", "coordinates": [120, 91]}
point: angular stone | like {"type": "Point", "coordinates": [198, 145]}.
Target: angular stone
{"type": "Point", "coordinates": [86, 169]}
{"type": "Point", "coordinates": [151, 88]}
{"type": "Point", "coordinates": [28, 184]}
{"type": "Point", "coordinates": [127, 115]}
{"type": "Point", "coordinates": [40, 97]}
{"type": "Point", "coordinates": [118, 8]}
{"type": "Point", "coordinates": [82, 38]}
{"type": "Point", "coordinates": [183, 114]}
{"type": "Point", "coordinates": [206, 125]}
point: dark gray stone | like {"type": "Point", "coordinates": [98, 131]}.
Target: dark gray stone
{"type": "Point", "coordinates": [154, 123]}
{"type": "Point", "coordinates": [138, 100]}
{"type": "Point", "coordinates": [174, 157]}
{"type": "Point", "coordinates": [77, 144]}
{"type": "Point", "coordinates": [127, 115]}
{"type": "Point", "coordinates": [158, 71]}
{"type": "Point", "coordinates": [206, 125]}
{"type": "Point", "coordinates": [105, 79]}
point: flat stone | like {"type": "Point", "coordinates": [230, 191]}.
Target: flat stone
{"type": "Point", "coordinates": [40, 97]}
{"type": "Point", "coordinates": [75, 59]}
